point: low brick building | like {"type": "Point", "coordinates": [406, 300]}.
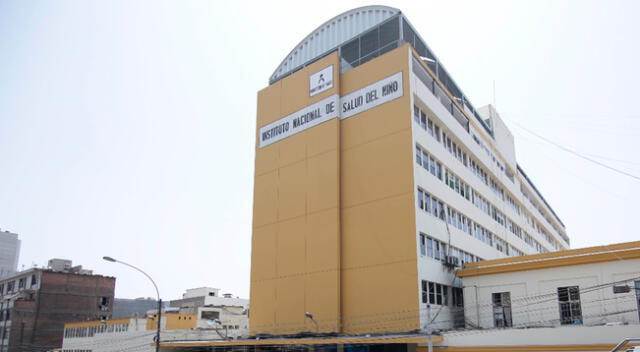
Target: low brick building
{"type": "Point", "coordinates": [36, 303]}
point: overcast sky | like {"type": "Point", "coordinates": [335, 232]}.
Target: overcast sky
{"type": "Point", "coordinates": [127, 127]}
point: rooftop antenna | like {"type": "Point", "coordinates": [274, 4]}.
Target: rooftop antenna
{"type": "Point", "coordinates": [494, 92]}
{"type": "Point", "coordinates": [494, 100]}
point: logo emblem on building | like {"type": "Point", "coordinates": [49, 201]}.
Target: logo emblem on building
{"type": "Point", "coordinates": [321, 81]}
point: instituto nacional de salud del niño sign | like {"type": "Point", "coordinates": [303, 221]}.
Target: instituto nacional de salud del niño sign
{"type": "Point", "coordinates": [380, 92]}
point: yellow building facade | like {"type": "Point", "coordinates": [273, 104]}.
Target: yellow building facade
{"type": "Point", "coordinates": [334, 245]}
{"type": "Point", "coordinates": [328, 204]}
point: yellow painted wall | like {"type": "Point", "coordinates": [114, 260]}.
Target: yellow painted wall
{"type": "Point", "coordinates": [173, 321]}
{"type": "Point", "coordinates": [379, 261]}
{"type": "Point", "coordinates": [296, 218]}
{"type": "Point", "coordinates": [333, 223]}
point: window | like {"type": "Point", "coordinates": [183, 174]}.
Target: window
{"type": "Point", "coordinates": [22, 283]}
{"type": "Point", "coordinates": [34, 280]}
{"type": "Point", "coordinates": [438, 251]}
{"type": "Point", "coordinates": [209, 315]}
{"type": "Point", "coordinates": [570, 309]}
{"type": "Point", "coordinates": [425, 161]}
{"type": "Point", "coordinates": [424, 292]}
{"type": "Point", "coordinates": [456, 297]}
{"type": "Point", "coordinates": [501, 309]}
{"type": "Point", "coordinates": [434, 293]}
{"type": "Point", "coordinates": [444, 295]}
{"type": "Point", "coordinates": [436, 208]}
{"type": "Point", "coordinates": [422, 245]}
{"type": "Point", "coordinates": [428, 162]}
{"type": "Point", "coordinates": [103, 303]}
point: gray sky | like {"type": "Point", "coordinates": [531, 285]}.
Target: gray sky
{"type": "Point", "coordinates": [127, 127]}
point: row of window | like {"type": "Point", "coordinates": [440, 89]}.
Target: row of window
{"type": "Point", "coordinates": [89, 331]}
{"type": "Point", "coordinates": [449, 144]}
{"type": "Point", "coordinates": [512, 203]}
{"type": "Point", "coordinates": [438, 250]}
{"type": "Point", "coordinates": [435, 207]}
{"type": "Point", "coordinates": [460, 187]}
{"type": "Point", "coordinates": [430, 204]}
{"type": "Point", "coordinates": [531, 200]}
{"type": "Point", "coordinates": [504, 169]}
{"type": "Point", "coordinates": [428, 163]}
{"type": "Point", "coordinates": [480, 202]}
{"type": "Point", "coordinates": [569, 307]}
{"type": "Point", "coordinates": [231, 327]}
{"type": "Point", "coordinates": [435, 293]}
{"type": "Point", "coordinates": [464, 190]}
{"type": "Point", "coordinates": [457, 185]}
{"type": "Point", "coordinates": [18, 284]}
{"type": "Point", "coordinates": [531, 221]}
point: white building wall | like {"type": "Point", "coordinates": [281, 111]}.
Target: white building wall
{"type": "Point", "coordinates": [433, 270]}
{"type": "Point", "coordinates": [565, 336]}
{"type": "Point", "coordinates": [234, 321]}
{"type": "Point", "coordinates": [534, 298]}
{"type": "Point", "coordinates": [201, 292]}
{"type": "Point", "coordinates": [223, 301]}
{"type": "Point", "coordinates": [212, 297]}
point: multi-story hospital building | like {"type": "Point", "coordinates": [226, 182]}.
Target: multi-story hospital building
{"type": "Point", "coordinates": [375, 178]}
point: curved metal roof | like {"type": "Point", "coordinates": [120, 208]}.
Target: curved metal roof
{"type": "Point", "coordinates": [331, 34]}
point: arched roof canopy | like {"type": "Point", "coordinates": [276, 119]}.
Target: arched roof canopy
{"type": "Point", "coordinates": [330, 35]}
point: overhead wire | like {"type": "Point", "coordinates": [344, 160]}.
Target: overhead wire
{"type": "Point", "coordinates": [571, 151]}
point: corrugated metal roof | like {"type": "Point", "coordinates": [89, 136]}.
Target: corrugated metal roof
{"type": "Point", "coordinates": [331, 34]}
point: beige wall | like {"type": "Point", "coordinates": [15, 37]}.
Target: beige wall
{"type": "Point", "coordinates": [333, 225]}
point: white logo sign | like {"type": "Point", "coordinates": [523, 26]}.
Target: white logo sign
{"type": "Point", "coordinates": [369, 97]}
{"type": "Point", "coordinates": [383, 91]}
{"type": "Point", "coordinates": [321, 81]}
{"type": "Point", "coordinates": [312, 115]}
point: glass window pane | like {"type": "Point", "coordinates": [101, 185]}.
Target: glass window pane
{"type": "Point", "coordinates": [425, 160]}
{"type": "Point", "coordinates": [407, 32]}
{"type": "Point", "coordinates": [427, 202]}
{"type": "Point", "coordinates": [389, 32]}
{"type": "Point", "coordinates": [369, 42]}
{"type": "Point", "coordinates": [351, 50]}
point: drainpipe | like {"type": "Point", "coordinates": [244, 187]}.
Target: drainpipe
{"type": "Point", "coordinates": [477, 307]}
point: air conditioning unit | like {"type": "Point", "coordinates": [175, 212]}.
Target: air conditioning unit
{"type": "Point", "coordinates": [452, 261]}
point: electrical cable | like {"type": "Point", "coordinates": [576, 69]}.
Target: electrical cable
{"type": "Point", "coordinates": [580, 155]}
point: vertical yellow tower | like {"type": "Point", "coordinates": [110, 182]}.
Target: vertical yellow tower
{"type": "Point", "coordinates": [333, 223]}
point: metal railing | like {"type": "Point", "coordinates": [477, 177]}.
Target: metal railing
{"type": "Point", "coordinates": [624, 343]}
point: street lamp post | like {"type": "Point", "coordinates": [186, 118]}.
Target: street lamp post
{"type": "Point", "coordinates": [109, 259]}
